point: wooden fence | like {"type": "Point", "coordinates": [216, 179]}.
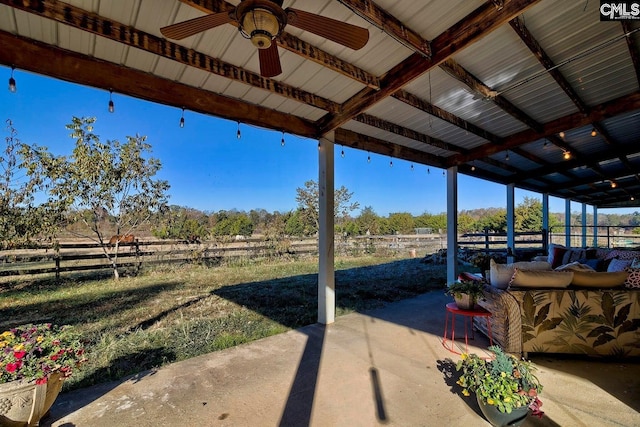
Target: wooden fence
{"type": "Point", "coordinates": [66, 257]}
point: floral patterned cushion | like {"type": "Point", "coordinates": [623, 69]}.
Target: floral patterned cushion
{"type": "Point", "coordinates": [633, 279]}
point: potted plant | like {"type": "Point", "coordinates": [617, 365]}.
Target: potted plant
{"type": "Point", "coordinates": [34, 361]}
{"type": "Point", "coordinates": [505, 386]}
{"type": "Point", "coordinates": [465, 293]}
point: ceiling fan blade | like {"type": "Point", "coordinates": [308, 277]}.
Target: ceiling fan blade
{"type": "Point", "coordinates": [269, 61]}
{"type": "Point", "coordinates": [348, 35]}
{"type": "Point", "coordinates": [193, 26]}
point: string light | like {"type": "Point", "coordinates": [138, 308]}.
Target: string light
{"type": "Point", "coordinates": [12, 82]}
{"type": "Point", "coordinates": [473, 167]}
{"type": "Point", "coordinates": [443, 174]}
{"type": "Point", "coordinates": [182, 118]}
{"type": "Point", "coordinates": [238, 134]}
{"type": "Point", "coordinates": [507, 156]}
{"type": "Point", "coordinates": [368, 157]}
{"type": "Point", "coordinates": [566, 155]}
{"type": "Point", "coordinates": [594, 132]}
{"type": "Point", "coordinates": [391, 163]}
{"type": "Point", "coordinates": [428, 171]}
{"type": "Point", "coordinates": [319, 146]}
{"type": "Point", "coordinates": [411, 167]}
{"type": "Point", "coordinates": [561, 135]}
{"type": "Point", "coordinates": [342, 153]}
{"type": "Point", "coordinates": [111, 105]}
{"type": "Point", "coordinates": [613, 184]}
{"type": "Point", "coordinates": [282, 140]}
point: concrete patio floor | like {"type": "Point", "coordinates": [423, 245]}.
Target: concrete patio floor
{"type": "Point", "coordinates": [385, 367]}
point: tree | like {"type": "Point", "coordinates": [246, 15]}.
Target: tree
{"type": "Point", "coordinates": [106, 178]}
{"type": "Point", "coordinates": [181, 223]}
{"type": "Point", "coordinates": [21, 218]}
{"type": "Point", "coordinates": [232, 224]}
{"type": "Point", "coordinates": [369, 222]}
{"type": "Point", "coordinates": [308, 200]}
{"type": "Point", "coordinates": [401, 223]}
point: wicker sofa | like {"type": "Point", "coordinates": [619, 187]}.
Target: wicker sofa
{"type": "Point", "coordinates": [588, 316]}
{"type": "Point", "coordinates": [577, 321]}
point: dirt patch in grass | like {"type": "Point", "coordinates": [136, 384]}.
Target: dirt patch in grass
{"type": "Point", "coordinates": [174, 313]}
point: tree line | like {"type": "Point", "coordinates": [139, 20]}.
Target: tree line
{"type": "Point", "coordinates": [107, 188]}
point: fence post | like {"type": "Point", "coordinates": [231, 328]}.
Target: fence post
{"type": "Point", "coordinates": [56, 248]}
{"type": "Point", "coordinates": [486, 239]}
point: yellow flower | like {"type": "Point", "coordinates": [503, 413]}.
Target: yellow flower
{"type": "Point", "coordinates": [18, 347]}
{"type": "Point", "coordinates": [3, 344]}
{"type": "Point", "coordinates": [490, 401]}
{"type": "Point", "coordinates": [507, 399]}
{"type": "Point", "coordinates": [40, 338]}
{"type": "Point", "coordinates": [465, 392]}
{"type": "Point", "coordinates": [463, 356]}
{"type": "Point", "coordinates": [503, 374]}
{"type": "Point", "coordinates": [7, 334]}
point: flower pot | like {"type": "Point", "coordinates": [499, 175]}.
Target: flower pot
{"type": "Point", "coordinates": [464, 302]}
{"type": "Point", "coordinates": [502, 419]}
{"type": "Point", "coordinates": [23, 403]}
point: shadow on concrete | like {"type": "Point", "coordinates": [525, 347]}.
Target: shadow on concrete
{"type": "Point", "coordinates": [297, 410]}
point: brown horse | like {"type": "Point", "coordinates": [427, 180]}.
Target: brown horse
{"type": "Point", "coordinates": [121, 239]}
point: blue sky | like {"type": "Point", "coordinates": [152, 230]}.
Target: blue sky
{"type": "Point", "coordinates": [209, 169]}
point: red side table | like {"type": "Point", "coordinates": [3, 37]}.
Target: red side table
{"type": "Point", "coordinates": [452, 309]}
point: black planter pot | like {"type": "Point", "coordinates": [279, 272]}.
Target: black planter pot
{"type": "Point", "coordinates": [501, 419]}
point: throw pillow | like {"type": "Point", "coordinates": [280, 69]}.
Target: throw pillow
{"type": "Point", "coordinates": [499, 274]}
{"type": "Point", "coordinates": [556, 253]}
{"type": "Point", "coordinates": [574, 266]}
{"type": "Point", "coordinates": [540, 279]}
{"type": "Point", "coordinates": [633, 280]}
{"type": "Point", "coordinates": [596, 279]}
{"type": "Point", "coordinates": [635, 263]}
{"type": "Point", "coordinates": [618, 264]}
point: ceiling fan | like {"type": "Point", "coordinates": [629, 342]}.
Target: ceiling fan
{"type": "Point", "coordinates": [262, 21]}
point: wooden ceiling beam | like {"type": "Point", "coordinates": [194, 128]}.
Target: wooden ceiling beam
{"type": "Point", "coordinates": [550, 130]}
{"type": "Point", "coordinates": [84, 70]}
{"type": "Point", "coordinates": [525, 35]}
{"type": "Point", "coordinates": [474, 26]}
{"type": "Point", "coordinates": [81, 19]}
{"type": "Point", "coordinates": [376, 122]}
{"type": "Point", "coordinates": [383, 20]}
{"type": "Point", "coordinates": [374, 145]}
{"type": "Point", "coordinates": [297, 46]}
{"type": "Point", "coordinates": [633, 47]}
{"type": "Point", "coordinates": [420, 104]}
{"type": "Point", "coordinates": [456, 71]}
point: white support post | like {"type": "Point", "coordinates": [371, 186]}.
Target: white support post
{"type": "Point", "coordinates": [326, 270]}
{"type": "Point", "coordinates": [452, 224]}
{"type": "Point", "coordinates": [584, 225]}
{"type": "Point", "coordinates": [545, 221]}
{"type": "Point", "coordinates": [595, 227]}
{"type": "Point", "coordinates": [511, 223]}
{"type": "Point", "coordinates": [567, 223]}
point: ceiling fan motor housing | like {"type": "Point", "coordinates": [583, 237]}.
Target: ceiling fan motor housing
{"type": "Point", "coordinates": [260, 21]}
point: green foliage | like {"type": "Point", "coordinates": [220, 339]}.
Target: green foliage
{"type": "Point", "coordinates": [308, 204]}
{"type": "Point", "coordinates": [109, 180]}
{"type": "Point", "coordinates": [505, 381]}
{"type": "Point", "coordinates": [181, 223]}
{"type": "Point", "coordinates": [22, 176]}
{"type": "Point", "coordinates": [232, 224]}
{"type": "Point", "coordinates": [473, 288]}
{"type": "Point", "coordinates": [401, 223]}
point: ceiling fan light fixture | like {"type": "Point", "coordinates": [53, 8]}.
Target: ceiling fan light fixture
{"type": "Point", "coordinates": [260, 23]}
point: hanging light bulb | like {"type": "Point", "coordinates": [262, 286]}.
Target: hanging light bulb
{"type": "Point", "coordinates": [473, 167]}
{"type": "Point", "coordinates": [390, 163]}
{"type": "Point", "coordinates": [632, 198]}
{"type": "Point", "coordinates": [12, 82]}
{"type": "Point", "coordinates": [342, 153]}
{"type": "Point", "coordinates": [182, 118]}
{"type": "Point", "coordinates": [561, 135]}
{"type": "Point", "coordinates": [443, 174]}
{"type": "Point", "coordinates": [319, 146]}
{"type": "Point", "coordinates": [411, 167]}
{"type": "Point", "coordinates": [507, 156]}
{"type": "Point", "coordinates": [594, 132]}
{"type": "Point", "coordinates": [566, 155]}
{"type": "Point", "coordinates": [428, 171]}
{"type": "Point", "coordinates": [238, 134]}
{"type": "Point", "coordinates": [368, 158]}
{"type": "Point", "coordinates": [111, 105]}
{"type": "Point", "coordinates": [282, 140]}
{"type": "Point", "coordinates": [613, 184]}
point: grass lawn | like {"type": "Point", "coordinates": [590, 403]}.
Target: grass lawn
{"type": "Point", "coordinates": [174, 313]}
